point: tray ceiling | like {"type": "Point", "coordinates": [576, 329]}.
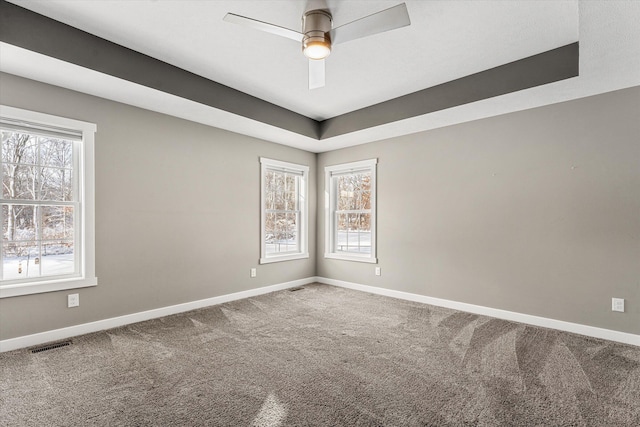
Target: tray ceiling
{"type": "Point", "coordinates": [446, 41]}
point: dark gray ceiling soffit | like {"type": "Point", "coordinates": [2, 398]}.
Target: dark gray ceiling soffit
{"type": "Point", "coordinates": [29, 30]}
{"type": "Point", "coordinates": [547, 67]}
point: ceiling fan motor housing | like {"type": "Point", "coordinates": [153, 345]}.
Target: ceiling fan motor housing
{"type": "Point", "coordinates": [316, 25]}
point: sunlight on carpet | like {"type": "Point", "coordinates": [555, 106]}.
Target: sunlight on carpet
{"type": "Point", "coordinates": [271, 414]}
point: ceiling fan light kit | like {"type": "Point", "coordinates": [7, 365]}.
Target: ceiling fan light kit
{"type": "Point", "coordinates": [316, 25]}
{"type": "Point", "coordinates": [317, 33]}
{"type": "Point", "coordinates": [316, 49]}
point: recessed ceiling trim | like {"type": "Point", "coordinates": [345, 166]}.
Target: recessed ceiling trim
{"type": "Point", "coordinates": [29, 30]}
{"type": "Point", "coordinates": [547, 67]}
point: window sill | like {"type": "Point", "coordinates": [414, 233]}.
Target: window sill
{"type": "Point", "coordinates": [355, 258]}
{"type": "Point", "coordinates": [283, 258]}
{"type": "Point", "coordinates": [30, 288]}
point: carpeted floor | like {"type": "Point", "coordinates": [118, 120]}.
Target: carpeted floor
{"type": "Point", "coordinates": [324, 356]}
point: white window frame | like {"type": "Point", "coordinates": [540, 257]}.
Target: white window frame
{"type": "Point", "coordinates": [331, 172]}
{"type": "Point", "coordinates": [303, 171]}
{"type": "Point", "coordinates": [85, 242]}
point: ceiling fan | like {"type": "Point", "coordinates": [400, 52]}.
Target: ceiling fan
{"type": "Point", "coordinates": [318, 35]}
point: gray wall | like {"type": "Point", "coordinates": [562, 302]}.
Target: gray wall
{"type": "Point", "coordinates": [177, 212]}
{"type": "Point", "coordinates": [536, 212]}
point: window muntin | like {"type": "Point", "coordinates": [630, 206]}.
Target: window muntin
{"type": "Point", "coordinates": [46, 203]}
{"type": "Point", "coordinates": [350, 217]}
{"type": "Point", "coordinates": [283, 211]}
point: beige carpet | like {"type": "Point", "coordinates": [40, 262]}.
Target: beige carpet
{"type": "Point", "coordinates": [324, 356]}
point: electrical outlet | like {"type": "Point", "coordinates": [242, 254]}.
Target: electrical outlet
{"type": "Point", "coordinates": [73, 300]}
{"type": "Point", "coordinates": [254, 273]}
{"type": "Point", "coordinates": [617, 304]}
{"type": "Point", "coordinates": [378, 271]}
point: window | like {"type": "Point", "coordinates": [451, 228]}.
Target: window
{"type": "Point", "coordinates": [284, 211]}
{"type": "Point", "coordinates": [351, 211]}
{"type": "Point", "coordinates": [46, 203]}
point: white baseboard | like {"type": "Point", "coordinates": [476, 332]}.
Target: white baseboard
{"type": "Point", "coordinates": [544, 322]}
{"type": "Point", "coordinates": [114, 322]}
{"type": "Point", "coordinates": [100, 325]}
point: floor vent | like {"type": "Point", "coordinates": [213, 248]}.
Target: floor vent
{"type": "Point", "coordinates": [295, 289]}
{"type": "Point", "coordinates": [50, 346]}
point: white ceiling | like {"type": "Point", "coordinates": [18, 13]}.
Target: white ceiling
{"type": "Point", "coordinates": [446, 40]}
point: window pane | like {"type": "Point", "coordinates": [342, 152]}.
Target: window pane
{"type": "Point", "coordinates": [364, 233]}
{"type": "Point", "coordinates": [345, 194]}
{"type": "Point", "coordinates": [269, 200]}
{"type": "Point", "coordinates": [281, 232]}
{"type": "Point", "coordinates": [280, 203]}
{"type": "Point", "coordinates": [342, 232]}
{"type": "Point", "coordinates": [354, 233]}
{"type": "Point", "coordinates": [290, 182]}
{"type": "Point", "coordinates": [19, 222]}
{"type": "Point", "coordinates": [55, 184]}
{"type": "Point", "coordinates": [57, 222]}
{"type": "Point", "coordinates": [57, 258]}
{"type": "Point", "coordinates": [288, 234]}
{"type": "Point", "coordinates": [365, 200]}
{"type": "Point", "coordinates": [269, 188]}
{"type": "Point", "coordinates": [270, 233]}
{"type": "Point", "coordinates": [23, 175]}
{"type": "Point", "coordinates": [56, 153]}
{"type": "Point", "coordinates": [292, 204]}
{"type": "Point", "coordinates": [19, 181]}
{"type": "Point", "coordinates": [19, 148]}
{"type": "Point", "coordinates": [345, 200]}
{"type": "Point", "coordinates": [365, 222]}
{"type": "Point", "coordinates": [292, 232]}
{"type": "Point", "coordinates": [278, 190]}
{"type": "Point", "coordinates": [20, 260]}
{"type": "Point", "coordinates": [22, 225]}
{"type": "Point", "coordinates": [280, 241]}
{"type": "Point", "coordinates": [365, 242]}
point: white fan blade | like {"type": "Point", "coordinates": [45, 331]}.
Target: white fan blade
{"type": "Point", "coordinates": [388, 19]}
{"type": "Point", "coordinates": [316, 73]}
{"type": "Point", "coordinates": [263, 26]}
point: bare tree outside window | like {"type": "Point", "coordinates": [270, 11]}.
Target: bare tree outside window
{"type": "Point", "coordinates": [284, 230]}
{"type": "Point", "coordinates": [353, 213]}
{"type": "Point", "coordinates": [37, 206]}
{"type": "Point", "coordinates": [281, 212]}
{"type": "Point", "coordinates": [350, 211]}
